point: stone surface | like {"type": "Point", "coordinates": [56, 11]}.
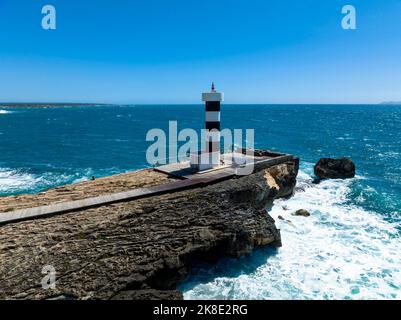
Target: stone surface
{"type": "Point", "coordinates": [141, 249]}
{"type": "Point", "coordinates": [328, 168]}
{"type": "Point", "coordinates": [101, 186]}
{"type": "Point", "coordinates": [149, 294]}
{"type": "Point", "coordinates": [285, 177]}
{"type": "Point", "coordinates": [301, 213]}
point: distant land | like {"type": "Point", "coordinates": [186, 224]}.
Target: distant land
{"type": "Point", "coordinates": [51, 105]}
{"type": "Point", "coordinates": [391, 103]}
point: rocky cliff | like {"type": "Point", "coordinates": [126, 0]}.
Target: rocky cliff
{"type": "Point", "coordinates": [141, 249]}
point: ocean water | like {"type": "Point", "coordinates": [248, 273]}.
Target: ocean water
{"type": "Point", "coordinates": [348, 249]}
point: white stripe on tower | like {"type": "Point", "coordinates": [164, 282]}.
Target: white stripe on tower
{"type": "Point", "coordinates": [212, 116]}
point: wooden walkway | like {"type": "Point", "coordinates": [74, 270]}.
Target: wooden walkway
{"type": "Point", "coordinates": [77, 205]}
{"type": "Point", "coordinates": [189, 180]}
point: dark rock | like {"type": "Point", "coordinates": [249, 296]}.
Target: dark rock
{"type": "Point", "coordinates": [302, 213]}
{"type": "Point", "coordinates": [63, 297]}
{"type": "Point", "coordinates": [285, 220]}
{"type": "Point", "coordinates": [141, 249]}
{"type": "Point", "coordinates": [299, 189]}
{"type": "Point", "coordinates": [148, 294]}
{"type": "Point", "coordinates": [328, 168]}
{"type": "Point", "coordinates": [260, 153]}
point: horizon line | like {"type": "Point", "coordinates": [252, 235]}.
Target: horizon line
{"type": "Point", "coordinates": [4, 104]}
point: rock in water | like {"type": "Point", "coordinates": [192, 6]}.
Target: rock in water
{"type": "Point", "coordinates": [328, 168]}
{"type": "Point", "coordinates": [302, 213]}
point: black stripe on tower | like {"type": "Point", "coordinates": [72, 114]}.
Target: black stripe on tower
{"type": "Point", "coordinates": [212, 105]}
{"type": "Point", "coordinates": [213, 125]}
{"type": "Point", "coordinates": [213, 146]}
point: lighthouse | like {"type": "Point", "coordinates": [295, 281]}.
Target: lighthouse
{"type": "Point", "coordinates": [210, 157]}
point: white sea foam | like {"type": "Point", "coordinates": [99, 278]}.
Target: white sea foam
{"type": "Point", "coordinates": [5, 111]}
{"type": "Point", "coordinates": [340, 252]}
{"type": "Point", "coordinates": [12, 181]}
{"type": "Point", "coordinates": [16, 181]}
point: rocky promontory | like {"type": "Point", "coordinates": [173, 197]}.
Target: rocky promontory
{"type": "Point", "coordinates": [139, 249]}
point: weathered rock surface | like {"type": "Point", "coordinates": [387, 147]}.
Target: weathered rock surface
{"type": "Point", "coordinates": [328, 168]}
{"type": "Point", "coordinates": [116, 183]}
{"type": "Point", "coordinates": [285, 177]}
{"type": "Point", "coordinates": [141, 249]}
{"type": "Point", "coordinates": [301, 213]}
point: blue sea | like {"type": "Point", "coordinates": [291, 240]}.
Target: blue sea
{"type": "Point", "coordinates": [350, 247]}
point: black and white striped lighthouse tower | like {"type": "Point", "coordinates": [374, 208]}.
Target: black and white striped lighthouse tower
{"type": "Point", "coordinates": [212, 100]}
{"type": "Point", "coordinates": [210, 157]}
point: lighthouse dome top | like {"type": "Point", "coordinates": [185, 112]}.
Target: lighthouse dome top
{"type": "Point", "coordinates": [213, 95]}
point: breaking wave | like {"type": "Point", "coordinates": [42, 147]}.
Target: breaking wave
{"type": "Point", "coordinates": [5, 111]}
{"type": "Point", "coordinates": [19, 181]}
{"type": "Point", "coordinates": [341, 251]}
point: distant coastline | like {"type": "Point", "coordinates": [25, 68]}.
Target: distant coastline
{"type": "Point", "coordinates": [391, 103]}
{"type": "Point", "coordinates": [51, 105]}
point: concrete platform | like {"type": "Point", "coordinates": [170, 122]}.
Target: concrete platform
{"type": "Point", "coordinates": [183, 170]}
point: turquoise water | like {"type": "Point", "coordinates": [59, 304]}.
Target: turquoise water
{"type": "Point", "coordinates": [348, 249]}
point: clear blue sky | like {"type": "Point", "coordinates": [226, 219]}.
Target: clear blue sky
{"type": "Point", "coordinates": [168, 51]}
